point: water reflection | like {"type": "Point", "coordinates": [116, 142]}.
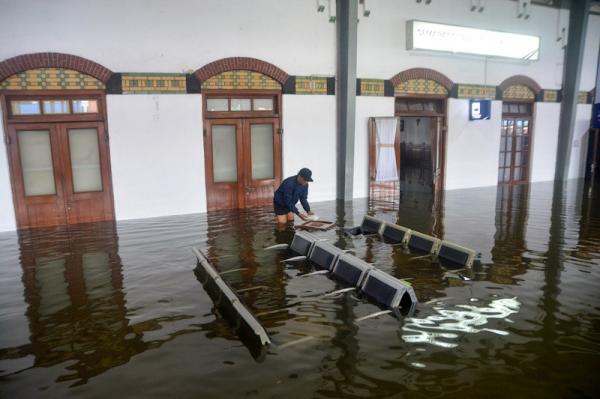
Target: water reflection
{"type": "Point", "coordinates": [448, 324]}
{"type": "Point", "coordinates": [76, 308]}
{"type": "Point", "coordinates": [512, 204]}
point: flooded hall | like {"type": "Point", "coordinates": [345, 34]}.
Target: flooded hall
{"type": "Point", "coordinates": [312, 198]}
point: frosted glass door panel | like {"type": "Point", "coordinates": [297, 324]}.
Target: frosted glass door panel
{"type": "Point", "coordinates": [224, 153]}
{"type": "Point", "coordinates": [85, 160]}
{"type": "Point", "coordinates": [261, 141]}
{"type": "Point", "coordinates": [36, 162]}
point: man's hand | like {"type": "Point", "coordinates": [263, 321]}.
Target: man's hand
{"type": "Point", "coordinates": [310, 213]}
{"type": "Point", "coordinates": [303, 216]}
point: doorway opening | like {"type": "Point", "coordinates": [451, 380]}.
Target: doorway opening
{"type": "Point", "coordinates": [422, 146]}
{"type": "Point", "coordinates": [593, 156]}
{"type": "Point", "coordinates": [515, 143]}
{"type": "Point", "coordinates": [418, 151]}
{"type": "Point", "coordinates": [242, 147]}
{"type": "Point", "coordinates": [59, 157]}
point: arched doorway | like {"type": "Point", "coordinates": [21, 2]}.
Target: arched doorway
{"type": "Point", "coordinates": [420, 145]}
{"type": "Point", "coordinates": [55, 129]}
{"type": "Point", "coordinates": [242, 131]}
{"type": "Point", "coordinates": [518, 98]}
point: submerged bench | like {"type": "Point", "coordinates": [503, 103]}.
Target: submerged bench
{"type": "Point", "coordinates": [456, 255]}
{"type": "Point", "coordinates": [351, 270]}
{"type": "Point", "coordinates": [324, 255]}
{"type": "Point", "coordinates": [369, 226]}
{"type": "Point", "coordinates": [388, 291]}
{"type": "Point", "coordinates": [423, 243]}
{"type": "Point", "coordinates": [378, 286]}
{"type": "Point", "coordinates": [230, 306]}
{"type": "Point", "coordinates": [448, 253]}
{"type": "Point", "coordinates": [303, 242]}
{"type": "Point", "coordinates": [395, 234]}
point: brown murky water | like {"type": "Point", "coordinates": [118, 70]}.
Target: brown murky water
{"type": "Point", "coordinates": [115, 310]}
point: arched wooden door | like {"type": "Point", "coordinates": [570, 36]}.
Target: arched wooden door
{"type": "Point", "coordinates": [243, 161]}
{"type": "Point", "coordinates": [59, 158]}
{"type": "Point", "coordinates": [242, 147]}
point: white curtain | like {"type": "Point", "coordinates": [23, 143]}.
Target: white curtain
{"type": "Point", "coordinates": [387, 169]}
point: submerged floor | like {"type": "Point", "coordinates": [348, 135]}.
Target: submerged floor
{"type": "Point", "coordinates": [115, 309]}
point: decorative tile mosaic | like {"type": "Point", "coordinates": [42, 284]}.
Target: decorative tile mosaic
{"type": "Point", "coordinates": [311, 85]}
{"type": "Point", "coordinates": [476, 91]}
{"type": "Point", "coordinates": [420, 86]}
{"type": "Point", "coordinates": [520, 92]}
{"type": "Point", "coordinates": [582, 97]}
{"type": "Point", "coordinates": [372, 87]}
{"type": "Point", "coordinates": [241, 80]}
{"type": "Point", "coordinates": [51, 79]}
{"type": "Point", "coordinates": [550, 96]}
{"type": "Point", "coordinates": [153, 83]}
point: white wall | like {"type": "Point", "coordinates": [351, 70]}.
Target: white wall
{"type": "Point", "coordinates": [7, 209]}
{"type": "Point", "coordinates": [157, 154]}
{"type": "Point", "coordinates": [382, 41]}
{"type": "Point", "coordinates": [545, 139]}
{"type": "Point", "coordinates": [580, 141]}
{"type": "Point", "coordinates": [309, 140]}
{"type": "Point", "coordinates": [366, 107]}
{"type": "Point", "coordinates": [473, 147]}
{"type": "Point", "coordinates": [590, 54]}
{"type": "Point", "coordinates": [172, 35]}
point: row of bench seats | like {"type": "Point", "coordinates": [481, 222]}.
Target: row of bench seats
{"type": "Point", "coordinates": [376, 285]}
{"type": "Point", "coordinates": [447, 252]}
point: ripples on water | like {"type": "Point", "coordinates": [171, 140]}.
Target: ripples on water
{"type": "Point", "coordinates": [449, 323]}
{"type": "Point", "coordinates": [116, 310]}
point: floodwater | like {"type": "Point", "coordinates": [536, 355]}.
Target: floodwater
{"type": "Point", "coordinates": [116, 310]}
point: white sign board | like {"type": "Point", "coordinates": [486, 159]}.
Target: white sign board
{"type": "Point", "coordinates": [458, 39]}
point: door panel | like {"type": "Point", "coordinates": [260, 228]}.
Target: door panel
{"type": "Point", "coordinates": [36, 175]}
{"type": "Point", "coordinates": [243, 162]}
{"type": "Point", "coordinates": [262, 143]}
{"type": "Point", "coordinates": [261, 154]}
{"type": "Point", "coordinates": [514, 150]}
{"type": "Point", "coordinates": [437, 150]}
{"type": "Point", "coordinates": [223, 163]}
{"type": "Point", "coordinates": [60, 173]}
{"type": "Point", "coordinates": [224, 150]}
{"type": "Point", "coordinates": [88, 191]}
{"type": "Point", "coordinates": [35, 152]}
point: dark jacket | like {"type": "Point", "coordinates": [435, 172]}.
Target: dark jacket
{"type": "Point", "coordinates": [288, 194]}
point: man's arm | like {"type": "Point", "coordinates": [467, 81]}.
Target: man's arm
{"type": "Point", "coordinates": [304, 200]}
{"type": "Point", "coordinates": [288, 198]}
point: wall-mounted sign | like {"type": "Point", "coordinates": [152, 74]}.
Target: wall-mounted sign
{"type": "Point", "coordinates": [480, 110]}
{"type": "Point", "coordinates": [462, 40]}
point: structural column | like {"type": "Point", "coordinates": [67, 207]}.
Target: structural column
{"type": "Point", "coordinates": [346, 29]}
{"type": "Point", "coordinates": [578, 21]}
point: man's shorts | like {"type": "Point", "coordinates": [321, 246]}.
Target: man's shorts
{"type": "Point", "coordinates": [280, 210]}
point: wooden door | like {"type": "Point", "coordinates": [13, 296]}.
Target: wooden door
{"type": "Point", "coordinates": [514, 150]}
{"type": "Point", "coordinates": [437, 152]}
{"type": "Point", "coordinates": [262, 156]}
{"type": "Point", "coordinates": [243, 162]}
{"type": "Point", "coordinates": [60, 173]}
{"type": "Point", "coordinates": [223, 160]}
{"type": "Point", "coordinates": [86, 166]}
{"type": "Point", "coordinates": [36, 173]}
